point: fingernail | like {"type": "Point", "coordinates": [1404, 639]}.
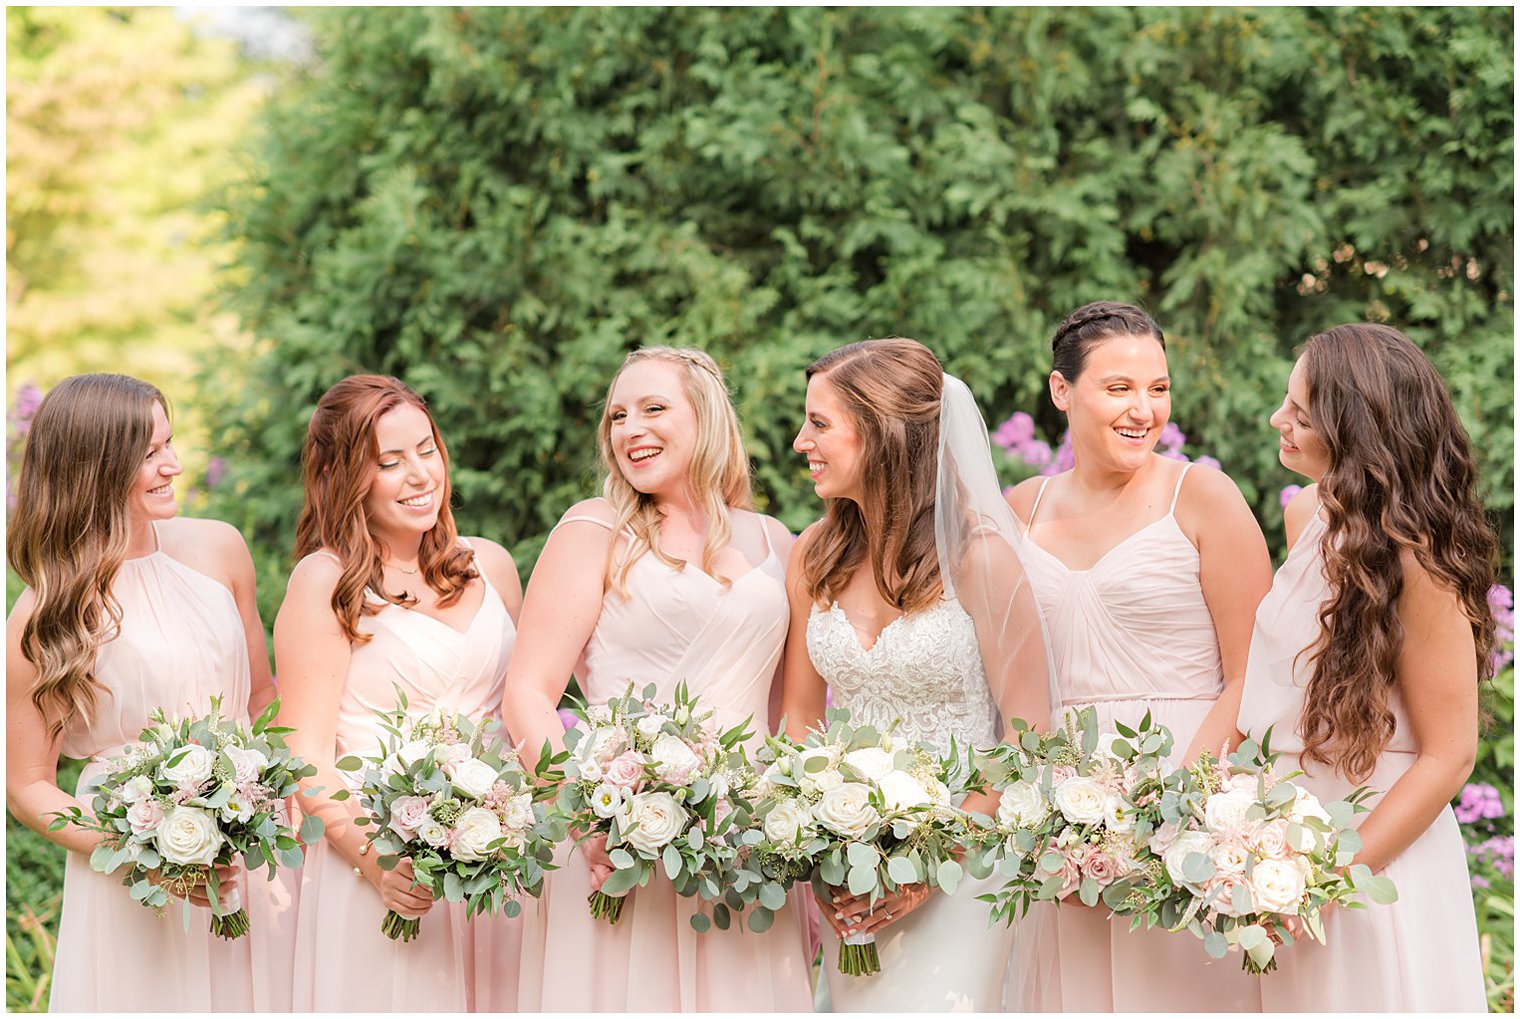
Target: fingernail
{"type": "Point", "coordinates": [838, 915]}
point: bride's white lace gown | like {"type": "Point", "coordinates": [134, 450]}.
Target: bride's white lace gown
{"type": "Point", "coordinates": [925, 669]}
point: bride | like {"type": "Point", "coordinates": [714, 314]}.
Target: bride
{"type": "Point", "coordinates": [909, 602]}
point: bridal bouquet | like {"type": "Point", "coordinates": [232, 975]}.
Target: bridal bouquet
{"type": "Point", "coordinates": [1073, 817]}
{"type": "Point", "coordinates": [663, 785]}
{"type": "Point", "coordinates": [445, 791]}
{"type": "Point", "coordinates": [194, 793]}
{"type": "Point", "coordinates": [1242, 856]}
{"type": "Point", "coordinates": [857, 808]}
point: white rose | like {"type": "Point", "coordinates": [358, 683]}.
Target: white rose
{"type": "Point", "coordinates": [1229, 858]}
{"type": "Point", "coordinates": [826, 780]}
{"type": "Point", "coordinates": [786, 821]}
{"type": "Point", "coordinates": [590, 769]}
{"type": "Point", "coordinates": [1306, 804]}
{"type": "Point", "coordinates": [191, 769]}
{"type": "Point", "coordinates": [659, 818]}
{"type": "Point", "coordinates": [847, 809]}
{"type": "Point", "coordinates": [1225, 812]}
{"type": "Point", "coordinates": [433, 833]}
{"type": "Point", "coordinates": [939, 793]}
{"type": "Point", "coordinates": [1023, 805]}
{"type": "Point", "coordinates": [137, 788]}
{"type": "Point", "coordinates": [450, 755]}
{"type": "Point", "coordinates": [870, 762]}
{"type": "Point", "coordinates": [474, 832]}
{"type": "Point", "coordinates": [189, 836]}
{"type": "Point", "coordinates": [1277, 886]}
{"type": "Point", "coordinates": [1105, 748]}
{"type": "Point", "coordinates": [474, 778]}
{"type": "Point", "coordinates": [901, 791]}
{"type": "Point", "coordinates": [518, 813]}
{"type": "Point", "coordinates": [1080, 800]}
{"type": "Point", "coordinates": [1245, 784]}
{"type": "Point", "coordinates": [826, 754]}
{"type": "Point", "coordinates": [650, 725]}
{"type": "Point", "coordinates": [249, 764]}
{"type": "Point", "coordinates": [606, 800]}
{"type": "Point", "coordinates": [606, 743]}
{"type": "Point", "coordinates": [1118, 815]}
{"type": "Point", "coordinates": [406, 755]}
{"type": "Point", "coordinates": [769, 780]}
{"type": "Point", "coordinates": [1177, 853]}
{"type": "Point", "coordinates": [673, 760]}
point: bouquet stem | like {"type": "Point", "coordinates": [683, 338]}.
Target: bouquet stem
{"type": "Point", "coordinates": [398, 927]}
{"type": "Point", "coordinates": [230, 925]}
{"type": "Point", "coordinates": [1249, 965]}
{"type": "Point", "coordinates": [605, 907]}
{"type": "Point", "coordinates": [857, 956]}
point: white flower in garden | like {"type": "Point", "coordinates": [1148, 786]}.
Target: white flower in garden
{"type": "Point", "coordinates": [474, 832]}
{"type": "Point", "coordinates": [248, 763]}
{"type": "Point", "coordinates": [650, 725]}
{"type": "Point", "coordinates": [1225, 812]}
{"type": "Point", "coordinates": [847, 809]}
{"type": "Point", "coordinates": [189, 836]}
{"type": "Point", "coordinates": [683, 715]}
{"type": "Point", "coordinates": [606, 800]}
{"type": "Point", "coordinates": [474, 778]}
{"type": "Point", "coordinates": [901, 791]}
{"type": "Point", "coordinates": [1177, 853]}
{"type": "Point", "coordinates": [192, 767]}
{"type": "Point", "coordinates": [1080, 800]}
{"type": "Point", "coordinates": [674, 761]}
{"type": "Point", "coordinates": [870, 762]}
{"type": "Point", "coordinates": [1277, 886]}
{"type": "Point", "coordinates": [137, 787]}
{"type": "Point", "coordinates": [659, 818]}
{"type": "Point", "coordinates": [433, 833]}
{"type": "Point", "coordinates": [787, 820]}
{"type": "Point", "coordinates": [1022, 805]}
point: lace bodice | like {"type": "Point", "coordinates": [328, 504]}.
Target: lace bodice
{"type": "Point", "coordinates": [925, 669]}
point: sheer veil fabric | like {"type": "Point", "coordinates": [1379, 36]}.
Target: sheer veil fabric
{"type": "Point", "coordinates": [977, 538]}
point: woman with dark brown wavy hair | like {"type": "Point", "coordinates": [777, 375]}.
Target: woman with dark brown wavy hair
{"type": "Point", "coordinates": [128, 607]}
{"type": "Point", "coordinates": [386, 595]}
{"type": "Point", "coordinates": [1366, 660]}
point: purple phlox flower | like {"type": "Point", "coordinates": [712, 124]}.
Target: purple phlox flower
{"type": "Point", "coordinates": [567, 719]}
{"type": "Point", "coordinates": [1172, 438]}
{"type": "Point", "coordinates": [1064, 460]}
{"type": "Point", "coordinates": [1209, 461]}
{"type": "Point", "coordinates": [24, 408]}
{"type": "Point", "coordinates": [216, 470]}
{"type": "Point", "coordinates": [1478, 801]}
{"type": "Point", "coordinates": [1017, 430]}
{"type": "Point", "coordinates": [1035, 452]}
{"type": "Point", "coordinates": [1499, 851]}
{"type": "Point", "coordinates": [1500, 598]}
{"type": "Point", "coordinates": [1502, 658]}
{"type": "Point", "coordinates": [1287, 494]}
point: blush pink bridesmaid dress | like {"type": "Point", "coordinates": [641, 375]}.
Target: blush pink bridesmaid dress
{"type": "Point", "coordinates": [1131, 634]}
{"type": "Point", "coordinates": [181, 642]}
{"type": "Point", "coordinates": [674, 625]}
{"type": "Point", "coordinates": [1419, 954]}
{"type": "Point", "coordinates": [343, 961]}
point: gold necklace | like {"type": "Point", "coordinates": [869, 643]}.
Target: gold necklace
{"type": "Point", "coordinates": [395, 566]}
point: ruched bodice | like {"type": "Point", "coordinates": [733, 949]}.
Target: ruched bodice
{"type": "Point", "coordinates": [1133, 626]}
{"type": "Point", "coordinates": [925, 669]}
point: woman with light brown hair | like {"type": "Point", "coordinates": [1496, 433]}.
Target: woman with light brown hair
{"type": "Point", "coordinates": [909, 602]}
{"type": "Point", "coordinates": [670, 576]}
{"type": "Point", "coordinates": [128, 607]}
{"type": "Point", "coordinates": [386, 595]}
{"type": "Point", "coordinates": [1366, 661]}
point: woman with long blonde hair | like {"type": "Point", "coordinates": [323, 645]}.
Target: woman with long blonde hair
{"type": "Point", "coordinates": [127, 608]}
{"type": "Point", "coordinates": [670, 576]}
{"type": "Point", "coordinates": [386, 595]}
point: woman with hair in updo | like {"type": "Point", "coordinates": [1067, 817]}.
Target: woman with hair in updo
{"type": "Point", "coordinates": [386, 595]}
{"type": "Point", "coordinates": [128, 607]}
{"type": "Point", "coordinates": [910, 605]}
{"type": "Point", "coordinates": [1149, 571]}
{"type": "Point", "coordinates": [1366, 661]}
{"type": "Point", "coordinates": [670, 576]}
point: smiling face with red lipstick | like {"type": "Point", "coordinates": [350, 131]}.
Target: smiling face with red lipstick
{"type": "Point", "coordinates": [652, 427]}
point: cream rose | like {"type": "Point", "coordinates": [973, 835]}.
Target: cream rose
{"type": "Point", "coordinates": [870, 762]}
{"type": "Point", "coordinates": [1277, 886]}
{"type": "Point", "coordinates": [136, 788]}
{"type": "Point", "coordinates": [192, 767]}
{"type": "Point", "coordinates": [901, 791]}
{"type": "Point", "coordinates": [658, 819]}
{"type": "Point", "coordinates": [650, 725]}
{"type": "Point", "coordinates": [248, 763]}
{"type": "Point", "coordinates": [847, 809]}
{"type": "Point", "coordinates": [826, 780]}
{"type": "Point", "coordinates": [674, 761]}
{"type": "Point", "coordinates": [1023, 805]}
{"type": "Point", "coordinates": [188, 836]}
{"type": "Point", "coordinates": [433, 833]}
{"type": "Point", "coordinates": [606, 743]}
{"type": "Point", "coordinates": [1306, 804]}
{"type": "Point", "coordinates": [474, 832]}
{"type": "Point", "coordinates": [1184, 844]}
{"type": "Point", "coordinates": [407, 813]}
{"type": "Point", "coordinates": [1225, 813]}
{"type": "Point", "coordinates": [474, 778]}
{"type": "Point", "coordinates": [517, 815]}
{"type": "Point", "coordinates": [1229, 858]}
{"type": "Point", "coordinates": [405, 756]}
{"type": "Point", "coordinates": [1272, 840]}
{"type": "Point", "coordinates": [786, 821]}
{"type": "Point", "coordinates": [1080, 800]}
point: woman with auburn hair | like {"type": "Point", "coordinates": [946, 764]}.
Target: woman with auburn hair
{"type": "Point", "coordinates": [1149, 572]}
{"type": "Point", "coordinates": [668, 577]}
{"type": "Point", "coordinates": [127, 608]}
{"type": "Point", "coordinates": [386, 595]}
{"type": "Point", "coordinates": [909, 602]}
{"type": "Point", "coordinates": [1366, 660]}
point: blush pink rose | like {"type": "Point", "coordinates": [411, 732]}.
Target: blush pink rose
{"type": "Point", "coordinates": [407, 812]}
{"type": "Point", "coordinates": [626, 770]}
{"type": "Point", "coordinates": [1101, 867]}
{"type": "Point", "coordinates": [1272, 840]}
{"type": "Point", "coordinates": [144, 815]}
{"type": "Point", "coordinates": [449, 755]}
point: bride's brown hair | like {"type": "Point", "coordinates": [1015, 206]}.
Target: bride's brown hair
{"type": "Point", "coordinates": [338, 465]}
{"type": "Point", "coordinates": [1401, 476]}
{"type": "Point", "coordinates": [891, 389]}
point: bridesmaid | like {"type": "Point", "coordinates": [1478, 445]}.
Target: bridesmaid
{"type": "Point", "coordinates": [386, 595]}
{"type": "Point", "coordinates": [127, 608]}
{"type": "Point", "coordinates": [1366, 659]}
{"type": "Point", "coordinates": [1148, 572]}
{"type": "Point", "coordinates": [670, 576]}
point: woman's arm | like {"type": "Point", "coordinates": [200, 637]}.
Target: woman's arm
{"type": "Point", "coordinates": [498, 566]}
{"type": "Point", "coordinates": [1437, 677]}
{"type": "Point", "coordinates": [782, 541]}
{"type": "Point", "coordinates": [1235, 573]}
{"type": "Point", "coordinates": [802, 688]}
{"type": "Point", "coordinates": [243, 582]}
